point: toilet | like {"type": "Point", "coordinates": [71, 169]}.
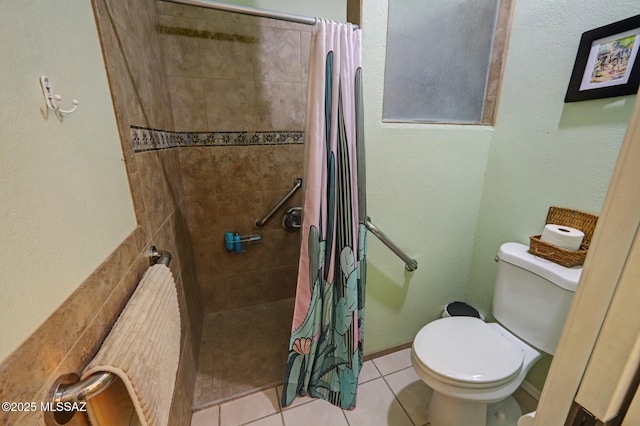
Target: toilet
{"type": "Point", "coordinates": [473, 367]}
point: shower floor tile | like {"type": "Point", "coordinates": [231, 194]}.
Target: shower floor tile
{"type": "Point", "coordinates": [396, 397]}
{"type": "Point", "coordinates": [242, 350]}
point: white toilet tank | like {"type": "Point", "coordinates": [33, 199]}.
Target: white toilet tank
{"type": "Point", "coordinates": [532, 296]}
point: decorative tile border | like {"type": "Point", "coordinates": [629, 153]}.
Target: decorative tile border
{"type": "Point", "coordinates": [144, 139]}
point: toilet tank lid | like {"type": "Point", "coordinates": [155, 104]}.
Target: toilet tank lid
{"type": "Point", "coordinates": [517, 254]}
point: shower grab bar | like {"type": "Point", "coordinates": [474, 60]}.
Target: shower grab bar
{"type": "Point", "coordinates": [69, 389]}
{"type": "Point", "coordinates": [296, 185]}
{"type": "Point", "coordinates": [409, 263]}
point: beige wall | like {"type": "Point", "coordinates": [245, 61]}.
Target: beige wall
{"type": "Point", "coordinates": [329, 9]}
{"type": "Point", "coordinates": [64, 200]}
{"type": "Point", "coordinates": [235, 73]}
{"type": "Point", "coordinates": [230, 72]}
{"type": "Point", "coordinates": [139, 86]}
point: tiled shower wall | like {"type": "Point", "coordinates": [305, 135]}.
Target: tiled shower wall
{"type": "Point", "coordinates": [238, 87]}
{"type": "Point", "coordinates": [71, 336]}
{"type": "Point", "coordinates": [249, 95]}
{"type": "Point", "coordinates": [139, 87]}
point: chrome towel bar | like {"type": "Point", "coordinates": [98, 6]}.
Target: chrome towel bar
{"type": "Point", "coordinates": [68, 389]}
{"type": "Point", "coordinates": [296, 185]}
{"type": "Point", "coordinates": [409, 263]}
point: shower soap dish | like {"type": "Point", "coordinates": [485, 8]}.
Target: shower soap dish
{"type": "Point", "coordinates": [585, 222]}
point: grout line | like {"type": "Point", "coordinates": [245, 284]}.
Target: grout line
{"type": "Point", "coordinates": [346, 419]}
{"type": "Point", "coordinates": [260, 418]}
{"type": "Point", "coordinates": [376, 367]}
{"type": "Point", "coordinates": [280, 410]}
{"type": "Point", "coordinates": [396, 397]}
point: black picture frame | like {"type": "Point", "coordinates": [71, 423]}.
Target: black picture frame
{"type": "Point", "coordinates": [606, 65]}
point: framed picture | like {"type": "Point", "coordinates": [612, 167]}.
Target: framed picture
{"type": "Point", "coordinates": [607, 62]}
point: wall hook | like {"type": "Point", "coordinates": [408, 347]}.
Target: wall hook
{"type": "Point", "coordinates": [53, 100]}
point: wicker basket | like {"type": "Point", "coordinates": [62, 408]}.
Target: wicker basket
{"type": "Point", "coordinates": [586, 222]}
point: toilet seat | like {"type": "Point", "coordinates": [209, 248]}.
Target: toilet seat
{"type": "Point", "coordinates": [466, 352]}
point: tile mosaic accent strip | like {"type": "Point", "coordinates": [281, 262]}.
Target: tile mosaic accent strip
{"type": "Point", "coordinates": [144, 139]}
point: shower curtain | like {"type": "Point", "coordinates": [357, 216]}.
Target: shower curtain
{"type": "Point", "coordinates": [325, 350]}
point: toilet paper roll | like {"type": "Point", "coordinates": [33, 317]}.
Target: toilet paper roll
{"type": "Point", "coordinates": [562, 236]}
{"type": "Point", "coordinates": [527, 419]}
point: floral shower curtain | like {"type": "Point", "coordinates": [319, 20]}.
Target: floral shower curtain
{"type": "Point", "coordinates": [325, 350]}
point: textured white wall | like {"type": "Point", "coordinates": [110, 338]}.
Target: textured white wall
{"type": "Point", "coordinates": [424, 184]}
{"type": "Point", "coordinates": [545, 152]}
{"type": "Point", "coordinates": [64, 198]}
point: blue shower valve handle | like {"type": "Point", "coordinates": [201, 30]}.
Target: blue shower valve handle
{"type": "Point", "coordinates": [228, 242]}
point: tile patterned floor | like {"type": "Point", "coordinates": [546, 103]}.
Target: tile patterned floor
{"type": "Point", "coordinates": [228, 366]}
{"type": "Point", "coordinates": [390, 394]}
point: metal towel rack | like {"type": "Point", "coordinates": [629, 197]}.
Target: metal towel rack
{"type": "Point", "coordinates": [409, 263]}
{"type": "Point", "coordinates": [296, 185]}
{"type": "Point", "coordinates": [68, 390]}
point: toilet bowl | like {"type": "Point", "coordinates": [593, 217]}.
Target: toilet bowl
{"type": "Point", "coordinates": [470, 364]}
{"type": "Point", "coordinates": [473, 367]}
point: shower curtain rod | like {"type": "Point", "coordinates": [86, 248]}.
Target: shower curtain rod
{"type": "Point", "coordinates": [246, 10]}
